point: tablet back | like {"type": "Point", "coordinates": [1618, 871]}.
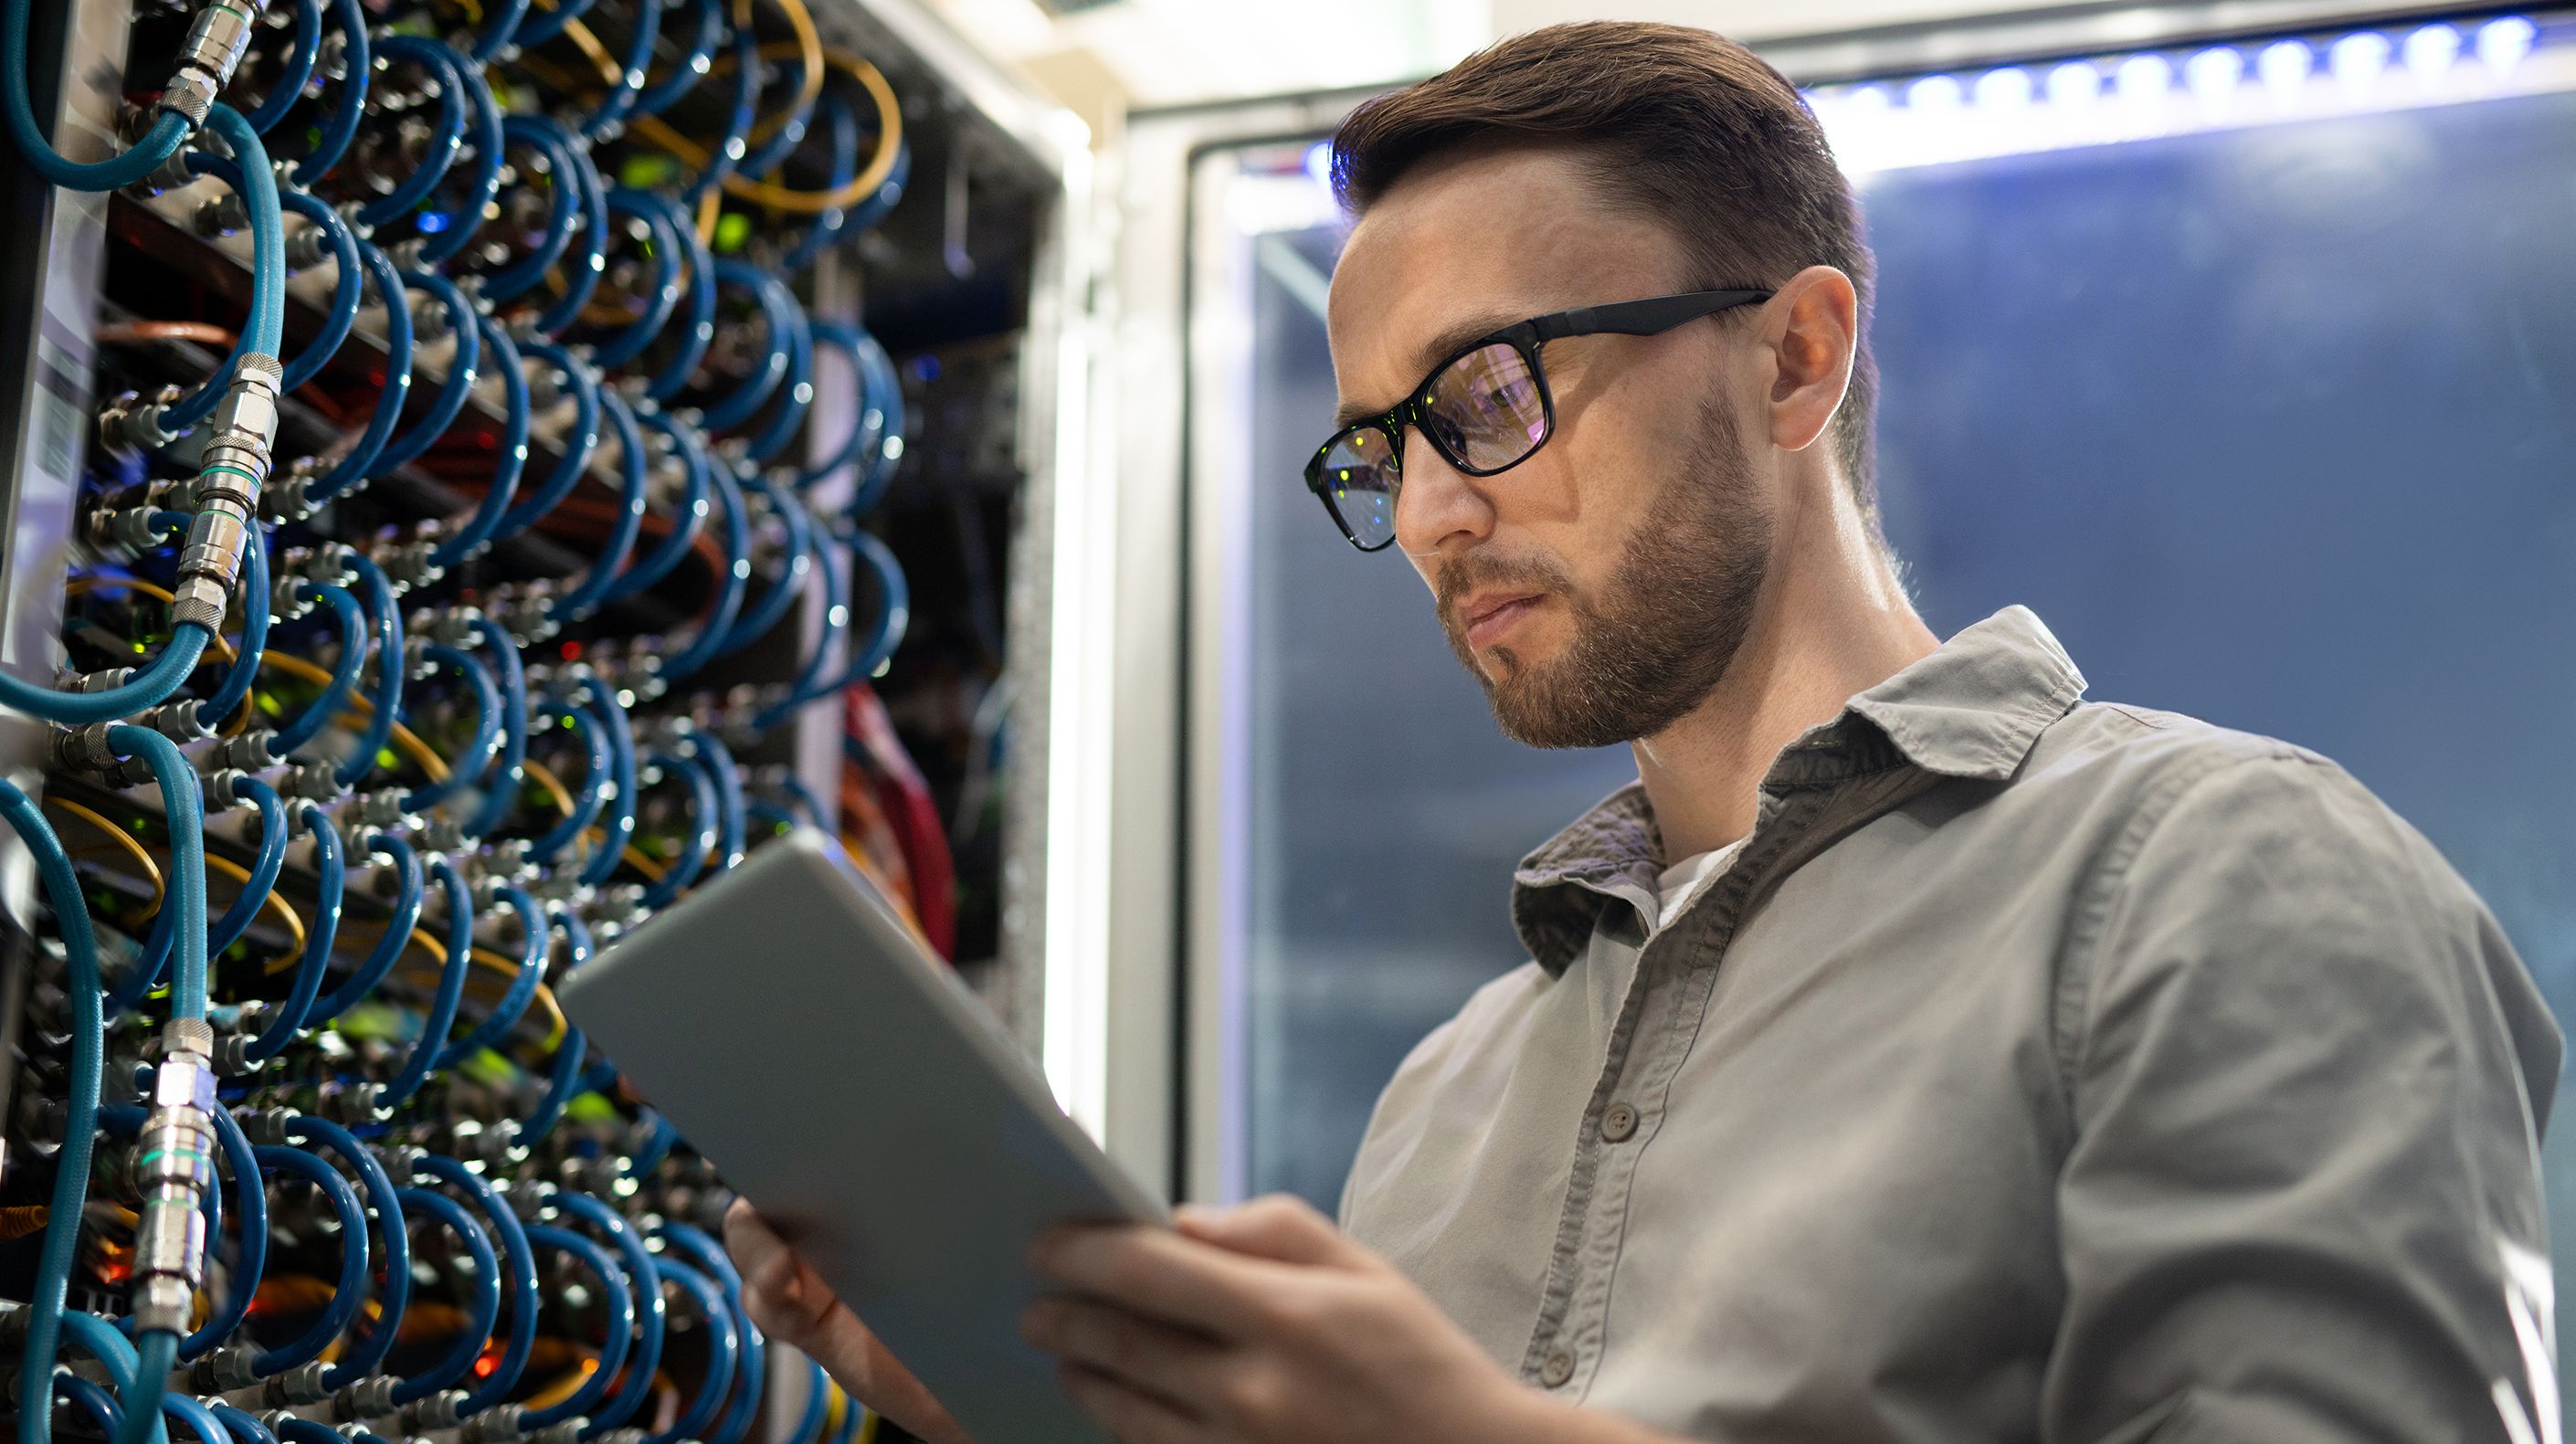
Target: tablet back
{"type": "Point", "coordinates": [869, 1106]}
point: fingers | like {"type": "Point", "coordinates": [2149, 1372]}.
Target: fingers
{"type": "Point", "coordinates": [1130, 1414]}
{"type": "Point", "coordinates": [793, 1305]}
{"type": "Point", "coordinates": [1159, 1274]}
{"type": "Point", "coordinates": [1279, 1226]}
{"type": "Point", "coordinates": [1175, 1364]}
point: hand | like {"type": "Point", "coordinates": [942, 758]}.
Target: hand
{"type": "Point", "coordinates": [792, 1304]}
{"type": "Point", "coordinates": [1262, 1325]}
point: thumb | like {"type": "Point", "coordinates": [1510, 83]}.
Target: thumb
{"type": "Point", "coordinates": [1278, 1226]}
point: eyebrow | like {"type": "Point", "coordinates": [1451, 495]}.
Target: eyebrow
{"type": "Point", "coordinates": [1444, 344]}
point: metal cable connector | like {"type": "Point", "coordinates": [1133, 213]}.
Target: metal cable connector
{"type": "Point", "coordinates": [174, 1165]}
{"type": "Point", "coordinates": [230, 474]}
{"type": "Point", "coordinates": [129, 423]}
{"type": "Point", "coordinates": [84, 749]}
{"type": "Point", "coordinates": [217, 38]}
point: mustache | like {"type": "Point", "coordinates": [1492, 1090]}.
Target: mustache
{"type": "Point", "coordinates": [1467, 572]}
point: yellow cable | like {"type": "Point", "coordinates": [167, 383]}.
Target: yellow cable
{"type": "Point", "coordinates": [239, 722]}
{"type": "Point", "coordinates": [362, 707]}
{"type": "Point", "coordinates": [809, 49]}
{"type": "Point", "coordinates": [271, 903]}
{"type": "Point", "coordinates": [132, 848]}
{"type": "Point", "coordinates": [864, 184]}
{"type": "Point", "coordinates": [556, 792]}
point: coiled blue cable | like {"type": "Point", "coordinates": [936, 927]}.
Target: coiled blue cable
{"type": "Point", "coordinates": [358, 463]}
{"type": "Point", "coordinates": [505, 1014]}
{"type": "Point", "coordinates": [545, 25]}
{"type": "Point", "coordinates": [619, 825]}
{"type": "Point", "coordinates": [329, 882]}
{"type": "Point", "coordinates": [456, 226]}
{"type": "Point", "coordinates": [482, 1307]}
{"type": "Point", "coordinates": [728, 148]}
{"type": "Point", "coordinates": [306, 725]}
{"type": "Point", "coordinates": [391, 664]}
{"type": "Point", "coordinates": [460, 373]}
{"type": "Point", "coordinates": [893, 618]}
{"type": "Point", "coordinates": [867, 428]}
{"type": "Point", "coordinates": [877, 464]}
{"type": "Point", "coordinates": [471, 763]}
{"type": "Point", "coordinates": [687, 518]}
{"type": "Point", "coordinates": [562, 1082]}
{"type": "Point", "coordinates": [264, 865]}
{"type": "Point", "coordinates": [579, 442]}
{"type": "Point", "coordinates": [748, 1373]}
{"type": "Point", "coordinates": [149, 688]}
{"type": "Point", "coordinates": [519, 1270]}
{"type": "Point", "coordinates": [357, 62]}
{"type": "Point", "coordinates": [169, 128]}
{"type": "Point", "coordinates": [816, 1413]}
{"type": "Point", "coordinates": [441, 1016]}
{"type": "Point", "coordinates": [717, 759]}
{"type": "Point", "coordinates": [780, 313]}
{"type": "Point", "coordinates": [762, 158]}
{"type": "Point", "coordinates": [616, 1299]}
{"type": "Point", "coordinates": [185, 817]}
{"type": "Point", "coordinates": [563, 200]}
{"type": "Point", "coordinates": [699, 329]}
{"type": "Point", "coordinates": [199, 1419]}
{"type": "Point", "coordinates": [796, 563]}
{"type": "Point", "coordinates": [362, 1355]}
{"type": "Point", "coordinates": [587, 263]}
{"type": "Point", "coordinates": [701, 837]}
{"type": "Point", "coordinates": [447, 136]}
{"type": "Point", "coordinates": [88, 1027]}
{"type": "Point", "coordinates": [730, 581]}
{"type": "Point", "coordinates": [795, 396]}
{"type": "Point", "coordinates": [706, 28]}
{"type": "Point", "coordinates": [613, 108]}
{"type": "Point", "coordinates": [297, 71]}
{"type": "Point", "coordinates": [650, 1310]}
{"type": "Point", "coordinates": [725, 1341]}
{"type": "Point", "coordinates": [250, 1253]}
{"type": "Point", "coordinates": [660, 298]}
{"type": "Point", "coordinates": [254, 639]}
{"type": "Point", "coordinates": [348, 288]}
{"type": "Point", "coordinates": [245, 1427]}
{"type": "Point", "coordinates": [837, 606]}
{"type": "Point", "coordinates": [350, 1289]}
{"type": "Point", "coordinates": [633, 474]}
{"type": "Point", "coordinates": [501, 357]}
{"type": "Point", "coordinates": [500, 26]}
{"type": "Point", "coordinates": [591, 795]}
{"type": "Point", "coordinates": [501, 785]}
{"type": "Point", "coordinates": [406, 916]}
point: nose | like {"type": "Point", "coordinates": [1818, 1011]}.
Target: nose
{"type": "Point", "coordinates": [1440, 509]}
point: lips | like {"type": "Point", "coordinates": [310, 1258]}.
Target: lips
{"type": "Point", "coordinates": [1490, 617]}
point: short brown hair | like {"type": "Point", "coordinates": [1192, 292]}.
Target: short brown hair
{"type": "Point", "coordinates": [1693, 128]}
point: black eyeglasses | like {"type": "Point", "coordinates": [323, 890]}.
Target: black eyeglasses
{"type": "Point", "coordinates": [1486, 409]}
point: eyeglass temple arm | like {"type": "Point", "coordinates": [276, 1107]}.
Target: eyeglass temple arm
{"type": "Point", "coordinates": [1650, 317]}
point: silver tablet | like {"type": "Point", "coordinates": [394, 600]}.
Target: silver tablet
{"type": "Point", "coordinates": [845, 1081]}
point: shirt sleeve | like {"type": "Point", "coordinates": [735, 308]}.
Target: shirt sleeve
{"type": "Point", "coordinates": [2308, 1077]}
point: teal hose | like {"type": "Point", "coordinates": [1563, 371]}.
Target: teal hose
{"type": "Point", "coordinates": [185, 812]}
{"type": "Point", "coordinates": [267, 329]}
{"type": "Point", "coordinates": [80, 1107]}
{"type": "Point", "coordinates": [168, 129]}
{"type": "Point", "coordinates": [151, 689]}
{"type": "Point", "coordinates": [155, 1355]}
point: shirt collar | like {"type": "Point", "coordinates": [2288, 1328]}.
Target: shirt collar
{"type": "Point", "coordinates": [1972, 709]}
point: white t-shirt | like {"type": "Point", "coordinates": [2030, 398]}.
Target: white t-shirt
{"type": "Point", "coordinates": [1682, 881]}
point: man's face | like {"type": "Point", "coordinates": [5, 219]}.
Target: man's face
{"type": "Point", "coordinates": [1599, 588]}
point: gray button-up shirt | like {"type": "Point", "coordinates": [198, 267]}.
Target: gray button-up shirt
{"type": "Point", "coordinates": [2037, 1070]}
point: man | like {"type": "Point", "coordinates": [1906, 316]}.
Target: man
{"type": "Point", "coordinates": [1916, 1052]}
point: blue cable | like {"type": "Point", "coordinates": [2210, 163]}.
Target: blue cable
{"type": "Point", "coordinates": [520, 1267]}
{"type": "Point", "coordinates": [749, 1375]}
{"type": "Point", "coordinates": [545, 25]}
{"type": "Point", "coordinates": [816, 1414]}
{"type": "Point", "coordinates": [500, 27]}
{"type": "Point", "coordinates": [700, 327]}
{"type": "Point", "coordinates": [460, 221]}
{"type": "Point", "coordinates": [590, 262]}
{"type": "Point", "coordinates": [441, 1017]}
{"type": "Point", "coordinates": [657, 1146]}
{"type": "Point", "coordinates": [126, 1120]}
{"type": "Point", "coordinates": [761, 159]}
{"type": "Point", "coordinates": [578, 443]}
{"type": "Point", "coordinates": [91, 1399]}
{"type": "Point", "coordinates": [795, 564]}
{"type": "Point", "coordinates": [228, 695]}
{"type": "Point", "coordinates": [362, 1356]}
{"type": "Point", "coordinates": [563, 196]}
{"type": "Point", "coordinates": [406, 916]}
{"type": "Point", "coordinates": [359, 461]}
{"type": "Point", "coordinates": [561, 1086]}
{"type": "Point", "coordinates": [482, 1309]}
{"type": "Point", "coordinates": [88, 1027]}
{"type": "Point", "coordinates": [728, 148]}
{"type": "Point", "coordinates": [730, 582]}
{"type": "Point", "coordinates": [633, 476]}
{"type": "Point", "coordinates": [200, 1420]}
{"type": "Point", "coordinates": [244, 1426]}
{"type": "Point", "coordinates": [348, 289]}
{"type": "Point", "coordinates": [868, 427]}
{"type": "Point", "coordinates": [837, 604]}
{"type": "Point", "coordinates": [501, 787]}
{"type": "Point", "coordinates": [251, 179]}
{"type": "Point", "coordinates": [660, 298]}
{"type": "Point", "coordinates": [350, 1291]}
{"type": "Point", "coordinates": [150, 687]}
{"type": "Point", "coordinates": [447, 139]}
{"type": "Point", "coordinates": [577, 941]}
{"type": "Point", "coordinates": [795, 397]}
{"type": "Point", "coordinates": [357, 62]}
{"type": "Point", "coordinates": [185, 816]}
{"type": "Point", "coordinates": [329, 883]}
{"type": "Point", "coordinates": [460, 373]}
{"type": "Point", "coordinates": [391, 663]}
{"type": "Point", "coordinates": [471, 763]}
{"type": "Point", "coordinates": [297, 72]}
{"type": "Point", "coordinates": [779, 312]}
{"type": "Point", "coordinates": [725, 1339]}
{"type": "Point", "coordinates": [308, 724]}
{"type": "Point", "coordinates": [512, 458]}
{"type": "Point", "coordinates": [593, 792]}
{"type": "Point", "coordinates": [718, 761]}
{"type": "Point", "coordinates": [505, 1014]}
{"type": "Point", "coordinates": [650, 1310]}
{"type": "Point", "coordinates": [841, 124]}
{"type": "Point", "coordinates": [168, 129]}
{"type": "Point", "coordinates": [250, 1253]}
{"type": "Point", "coordinates": [619, 1302]}
{"type": "Point", "coordinates": [613, 108]}
{"type": "Point", "coordinates": [894, 617]}
{"type": "Point", "coordinates": [263, 869]}
{"type": "Point", "coordinates": [686, 519]}
{"type": "Point", "coordinates": [132, 1370]}
{"type": "Point", "coordinates": [885, 454]}
{"type": "Point", "coordinates": [701, 838]}
{"type": "Point", "coordinates": [620, 824]}
{"type": "Point", "coordinates": [692, 65]}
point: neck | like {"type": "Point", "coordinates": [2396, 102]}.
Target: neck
{"type": "Point", "coordinates": [1832, 621]}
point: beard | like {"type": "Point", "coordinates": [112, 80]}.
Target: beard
{"type": "Point", "coordinates": [1651, 642]}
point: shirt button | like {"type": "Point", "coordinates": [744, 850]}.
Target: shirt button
{"type": "Point", "coordinates": [1619, 1122]}
{"type": "Point", "coordinates": [1558, 1368]}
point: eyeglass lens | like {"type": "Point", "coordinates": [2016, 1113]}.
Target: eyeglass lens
{"type": "Point", "coordinates": [1484, 411]}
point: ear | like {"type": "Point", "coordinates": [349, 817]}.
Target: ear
{"type": "Point", "coordinates": [1812, 330]}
